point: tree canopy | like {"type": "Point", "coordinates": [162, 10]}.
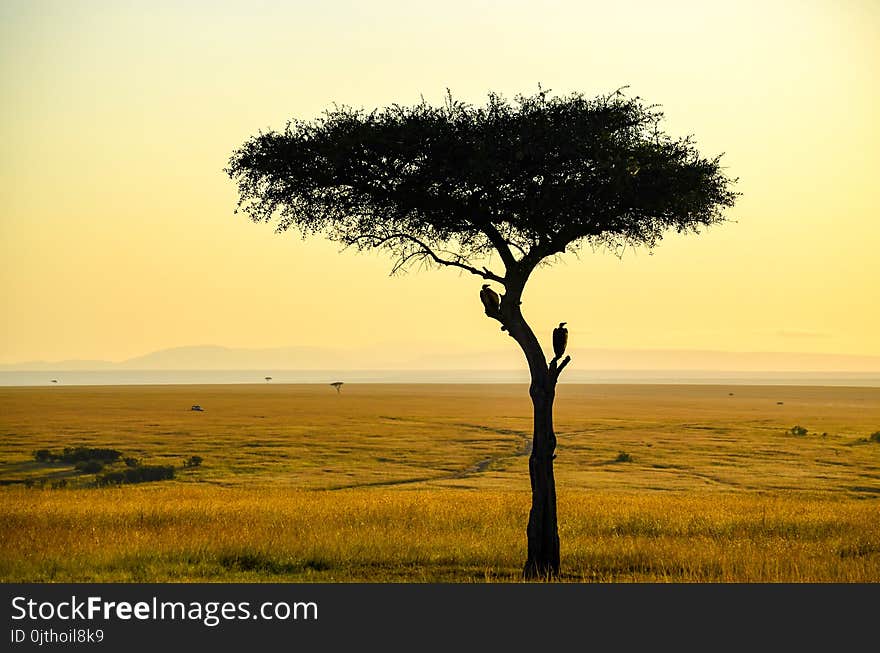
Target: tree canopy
{"type": "Point", "coordinates": [526, 179]}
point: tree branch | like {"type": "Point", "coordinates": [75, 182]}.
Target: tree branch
{"type": "Point", "coordinates": [556, 367]}
{"type": "Point", "coordinates": [485, 273]}
{"type": "Point", "coordinates": [499, 243]}
{"type": "Point", "coordinates": [510, 243]}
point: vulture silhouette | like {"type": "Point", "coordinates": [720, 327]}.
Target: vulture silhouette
{"type": "Point", "coordinates": [560, 339]}
{"type": "Point", "coordinates": [491, 300]}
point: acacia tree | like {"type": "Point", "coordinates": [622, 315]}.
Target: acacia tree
{"type": "Point", "coordinates": [526, 180]}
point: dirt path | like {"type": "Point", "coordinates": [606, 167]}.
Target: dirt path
{"type": "Point", "coordinates": [480, 466]}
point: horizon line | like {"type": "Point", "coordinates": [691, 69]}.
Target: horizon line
{"type": "Point", "coordinates": [43, 363]}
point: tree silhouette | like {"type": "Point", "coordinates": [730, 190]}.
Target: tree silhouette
{"type": "Point", "coordinates": [338, 385]}
{"type": "Point", "coordinates": [526, 180]}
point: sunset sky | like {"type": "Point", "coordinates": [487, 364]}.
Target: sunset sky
{"type": "Point", "coordinates": [118, 234]}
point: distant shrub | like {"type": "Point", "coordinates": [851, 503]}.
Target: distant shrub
{"type": "Point", "coordinates": [60, 484]}
{"type": "Point", "coordinates": [89, 466]}
{"type": "Point", "coordinates": [192, 461]}
{"type": "Point", "coordinates": [131, 462]}
{"type": "Point", "coordinates": [111, 478]}
{"type": "Point", "coordinates": [42, 455]}
{"type": "Point", "coordinates": [140, 474]}
{"type": "Point", "coordinates": [798, 430]}
{"type": "Point", "coordinates": [78, 454]}
{"type": "Point", "coordinates": [623, 457]}
{"type": "Point", "coordinates": [149, 473]}
{"type": "Point", "coordinates": [875, 436]}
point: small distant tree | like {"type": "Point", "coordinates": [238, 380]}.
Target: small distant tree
{"type": "Point", "coordinates": [192, 461]}
{"type": "Point", "coordinates": [526, 181]}
{"type": "Point", "coordinates": [338, 385]}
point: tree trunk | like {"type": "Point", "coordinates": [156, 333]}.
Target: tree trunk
{"type": "Point", "coordinates": [542, 531]}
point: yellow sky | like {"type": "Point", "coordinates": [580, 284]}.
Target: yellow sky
{"type": "Point", "coordinates": [118, 234]}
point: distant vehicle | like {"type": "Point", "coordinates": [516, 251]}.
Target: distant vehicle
{"type": "Point", "coordinates": [197, 407]}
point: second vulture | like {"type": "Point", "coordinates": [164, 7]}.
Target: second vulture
{"type": "Point", "coordinates": [560, 339]}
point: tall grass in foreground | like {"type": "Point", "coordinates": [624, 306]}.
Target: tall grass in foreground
{"type": "Point", "coordinates": [193, 533]}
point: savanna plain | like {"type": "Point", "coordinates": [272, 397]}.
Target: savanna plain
{"type": "Point", "coordinates": [429, 483]}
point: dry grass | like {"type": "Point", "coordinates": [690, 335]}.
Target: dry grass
{"type": "Point", "coordinates": [428, 483]}
{"type": "Point", "coordinates": [192, 533]}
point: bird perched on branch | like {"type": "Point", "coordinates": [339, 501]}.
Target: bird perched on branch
{"type": "Point", "coordinates": [560, 339]}
{"type": "Point", "coordinates": [491, 300]}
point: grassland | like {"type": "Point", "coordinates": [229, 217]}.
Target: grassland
{"type": "Point", "coordinates": [430, 483]}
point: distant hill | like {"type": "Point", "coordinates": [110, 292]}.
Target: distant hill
{"type": "Point", "coordinates": [414, 356]}
{"type": "Point", "coordinates": [209, 357]}
{"type": "Point", "coordinates": [202, 357]}
{"type": "Point", "coordinates": [80, 365]}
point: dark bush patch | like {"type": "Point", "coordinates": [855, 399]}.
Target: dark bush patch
{"type": "Point", "coordinates": [141, 474]}
{"type": "Point", "coordinates": [75, 454]}
{"type": "Point", "coordinates": [42, 455]}
{"type": "Point", "coordinates": [858, 551]}
{"type": "Point", "coordinates": [623, 457]}
{"type": "Point", "coordinates": [875, 436]}
{"type": "Point", "coordinates": [111, 478]}
{"type": "Point", "coordinates": [89, 466]}
{"type": "Point", "coordinates": [131, 462]}
{"type": "Point", "coordinates": [78, 454]}
{"type": "Point", "coordinates": [149, 473]}
{"type": "Point", "coordinates": [192, 461]}
{"type": "Point", "coordinates": [798, 430]}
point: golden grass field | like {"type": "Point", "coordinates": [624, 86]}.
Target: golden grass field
{"type": "Point", "coordinates": [429, 483]}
